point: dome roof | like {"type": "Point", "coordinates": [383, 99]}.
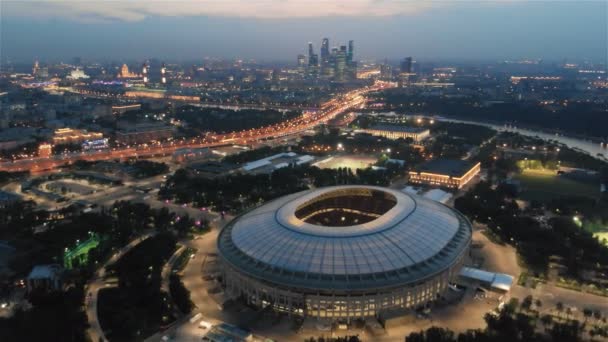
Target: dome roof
{"type": "Point", "coordinates": [409, 239]}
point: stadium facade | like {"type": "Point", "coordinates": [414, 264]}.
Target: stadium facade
{"type": "Point", "coordinates": [343, 252]}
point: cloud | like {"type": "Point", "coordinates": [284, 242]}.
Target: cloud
{"type": "Point", "coordinates": [137, 10]}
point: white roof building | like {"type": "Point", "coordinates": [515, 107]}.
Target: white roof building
{"type": "Point", "coordinates": [497, 281]}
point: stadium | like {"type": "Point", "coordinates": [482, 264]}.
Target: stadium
{"type": "Point", "coordinates": [343, 252]}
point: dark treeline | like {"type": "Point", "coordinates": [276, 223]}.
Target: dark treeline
{"type": "Point", "coordinates": [578, 118]}
{"type": "Point", "coordinates": [497, 208]}
{"type": "Point", "coordinates": [60, 316]}
{"type": "Point", "coordinates": [509, 325]}
{"type": "Point", "coordinates": [137, 307]}
{"type": "Point", "coordinates": [227, 120]}
{"type": "Point", "coordinates": [239, 191]}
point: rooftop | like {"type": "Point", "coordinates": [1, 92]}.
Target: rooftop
{"type": "Point", "coordinates": [45, 271]}
{"type": "Point", "coordinates": [277, 161]}
{"type": "Point", "coordinates": [409, 241]}
{"type": "Point", "coordinates": [499, 281]}
{"type": "Point", "coordinates": [398, 128]}
{"type": "Point", "coordinates": [450, 167]}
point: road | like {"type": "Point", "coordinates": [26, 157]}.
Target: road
{"type": "Point", "coordinates": [97, 283]}
{"type": "Point", "coordinates": [550, 295]}
{"type": "Point", "coordinates": [166, 275]}
{"type": "Point", "coordinates": [192, 278]}
{"type": "Point", "coordinates": [304, 122]}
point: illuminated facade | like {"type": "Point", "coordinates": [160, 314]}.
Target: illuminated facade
{"type": "Point", "coordinates": [399, 132]}
{"type": "Point", "coordinates": [77, 74]}
{"type": "Point", "coordinates": [163, 76]}
{"type": "Point", "coordinates": [45, 150]}
{"type": "Point", "coordinates": [143, 133]}
{"type": "Point", "coordinates": [74, 136]}
{"type": "Point", "coordinates": [144, 71]}
{"type": "Point", "coordinates": [125, 73]}
{"type": "Point", "coordinates": [344, 252]}
{"type": "Point", "coordinates": [445, 173]}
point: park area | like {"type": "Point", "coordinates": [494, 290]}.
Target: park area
{"type": "Point", "coordinates": [544, 184]}
{"type": "Point", "coordinates": [137, 307]}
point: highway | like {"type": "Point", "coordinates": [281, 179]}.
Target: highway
{"type": "Point", "coordinates": [306, 121]}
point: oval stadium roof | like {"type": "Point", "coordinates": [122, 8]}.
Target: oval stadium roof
{"type": "Point", "coordinates": [413, 240]}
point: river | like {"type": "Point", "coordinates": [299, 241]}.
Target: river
{"type": "Point", "coordinates": [587, 146]}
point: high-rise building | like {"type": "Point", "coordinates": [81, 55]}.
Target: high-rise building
{"type": "Point", "coordinates": [125, 73]}
{"type": "Point", "coordinates": [406, 65]}
{"type": "Point", "coordinates": [351, 65]}
{"type": "Point", "coordinates": [313, 62]}
{"type": "Point", "coordinates": [339, 74]}
{"type": "Point", "coordinates": [337, 64]}
{"type": "Point", "coordinates": [301, 64]}
{"type": "Point", "coordinates": [144, 72]}
{"type": "Point", "coordinates": [386, 72]}
{"type": "Point", "coordinates": [325, 49]}
{"type": "Point", "coordinates": [163, 76]}
{"type": "Point", "coordinates": [311, 51]}
{"type": "Point", "coordinates": [35, 68]}
{"type": "Point", "coordinates": [325, 56]}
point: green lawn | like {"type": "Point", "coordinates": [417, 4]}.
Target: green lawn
{"type": "Point", "coordinates": [544, 184]}
{"type": "Point", "coordinates": [602, 236]}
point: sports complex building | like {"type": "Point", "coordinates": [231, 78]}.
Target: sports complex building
{"type": "Point", "coordinates": [399, 132]}
{"type": "Point", "coordinates": [343, 252]}
{"type": "Point", "coordinates": [449, 173]}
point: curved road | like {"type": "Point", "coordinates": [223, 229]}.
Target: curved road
{"type": "Point", "coordinates": [95, 332]}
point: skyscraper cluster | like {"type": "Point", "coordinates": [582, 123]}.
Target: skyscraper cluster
{"type": "Point", "coordinates": [336, 64]}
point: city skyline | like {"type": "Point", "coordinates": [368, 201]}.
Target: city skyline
{"type": "Point", "coordinates": [277, 31]}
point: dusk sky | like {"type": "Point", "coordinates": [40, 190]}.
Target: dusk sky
{"type": "Point", "coordinates": [280, 29]}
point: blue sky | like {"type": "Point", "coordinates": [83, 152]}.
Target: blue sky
{"type": "Point", "coordinates": [280, 29]}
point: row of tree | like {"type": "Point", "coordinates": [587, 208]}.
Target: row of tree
{"type": "Point", "coordinates": [239, 191]}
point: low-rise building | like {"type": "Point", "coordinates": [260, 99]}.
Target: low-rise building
{"type": "Point", "coordinates": [45, 278]}
{"type": "Point", "coordinates": [45, 150]}
{"type": "Point", "coordinates": [8, 198]}
{"type": "Point", "coordinates": [212, 169]}
{"type": "Point", "coordinates": [144, 132]}
{"type": "Point", "coordinates": [450, 173]}
{"type": "Point", "coordinates": [74, 136]}
{"type": "Point", "coordinates": [269, 164]}
{"type": "Point", "coordinates": [123, 108]}
{"type": "Point", "coordinates": [397, 132]}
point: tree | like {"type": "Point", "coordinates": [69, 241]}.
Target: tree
{"type": "Point", "coordinates": [559, 306]}
{"type": "Point", "coordinates": [538, 304]}
{"type": "Point", "coordinates": [433, 334]}
{"type": "Point", "coordinates": [587, 312]}
{"type": "Point", "coordinates": [597, 314]}
{"type": "Point", "coordinates": [526, 304]}
{"type": "Point", "coordinates": [546, 320]}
